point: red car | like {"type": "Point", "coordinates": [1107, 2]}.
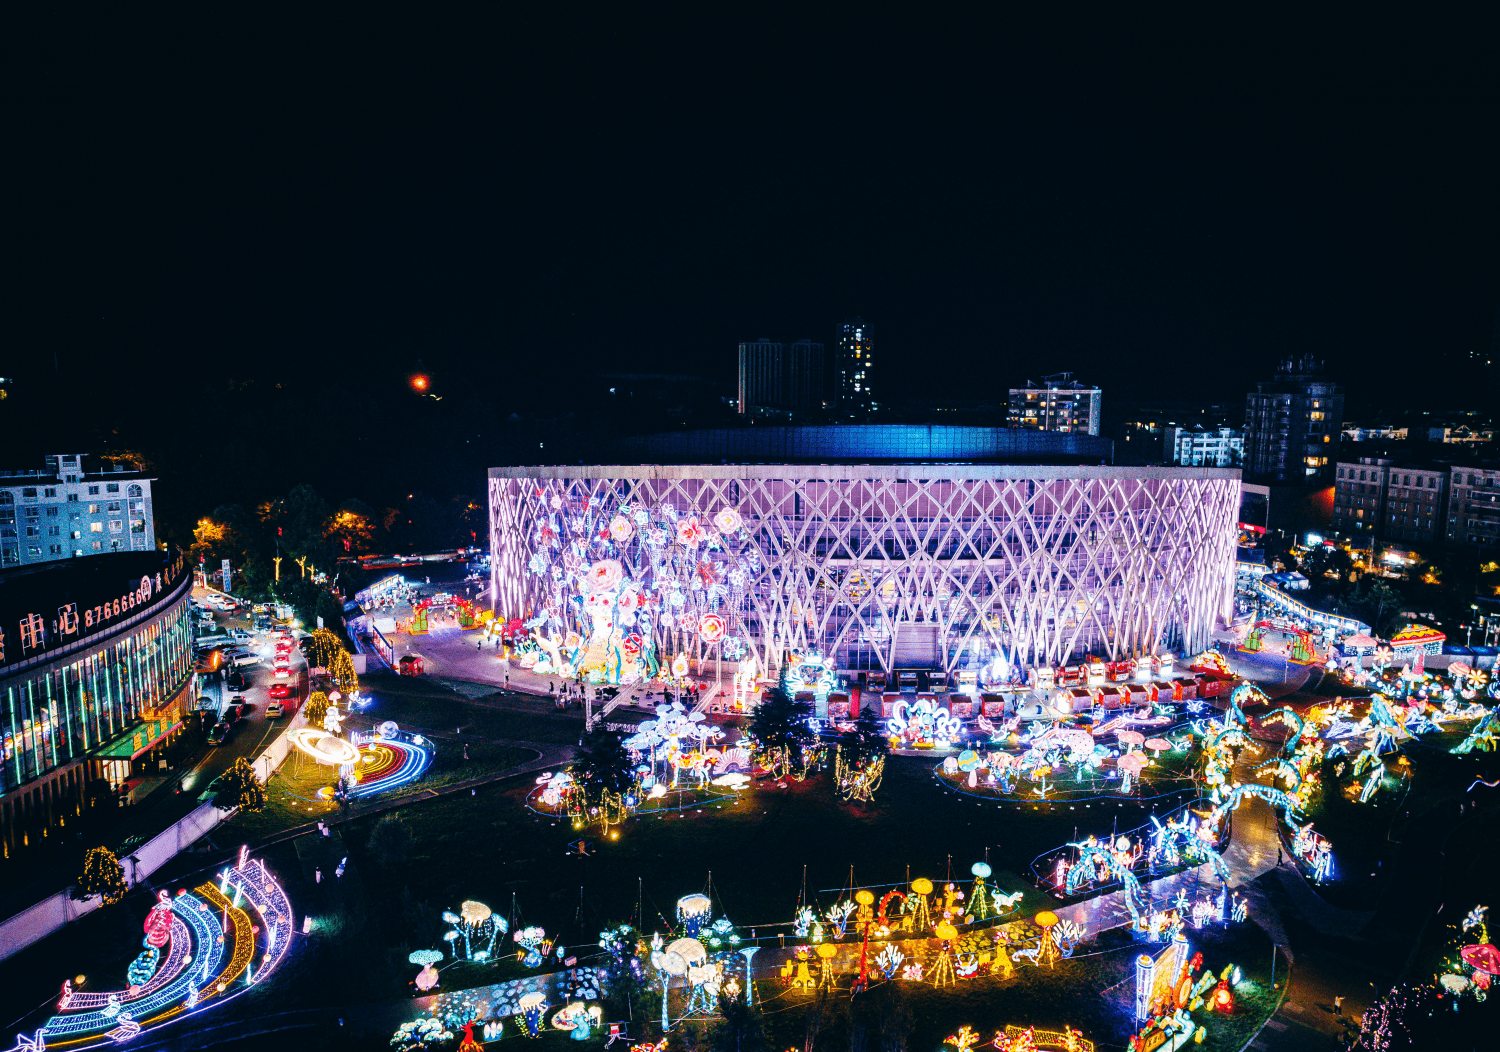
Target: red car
{"type": "Point", "coordinates": [283, 673]}
{"type": "Point", "coordinates": [280, 690]}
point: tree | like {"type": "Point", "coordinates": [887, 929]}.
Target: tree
{"type": "Point", "coordinates": [341, 668]}
{"type": "Point", "coordinates": [603, 766]}
{"type": "Point", "coordinates": [1383, 604]}
{"type": "Point", "coordinates": [867, 740]}
{"type": "Point", "coordinates": [895, 1018]}
{"type": "Point", "coordinates": [316, 708]}
{"type": "Point", "coordinates": [322, 645]}
{"type": "Point", "coordinates": [390, 841]}
{"type": "Point", "coordinates": [102, 875]}
{"type": "Point", "coordinates": [352, 526]}
{"type": "Point", "coordinates": [238, 787]}
{"type": "Point", "coordinates": [740, 1027]}
{"type": "Point", "coordinates": [780, 728]}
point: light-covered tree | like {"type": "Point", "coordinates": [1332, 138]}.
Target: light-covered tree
{"type": "Point", "coordinates": [102, 875]}
{"type": "Point", "coordinates": [322, 646]}
{"type": "Point", "coordinates": [316, 708]}
{"type": "Point", "coordinates": [238, 787]}
{"type": "Point", "coordinates": [341, 668]}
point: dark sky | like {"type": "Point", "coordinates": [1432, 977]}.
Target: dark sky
{"type": "Point", "coordinates": [517, 201]}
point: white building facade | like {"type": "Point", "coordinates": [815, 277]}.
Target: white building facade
{"type": "Point", "coordinates": [63, 512]}
{"type": "Point", "coordinates": [1222, 447]}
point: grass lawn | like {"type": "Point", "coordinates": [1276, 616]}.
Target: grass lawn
{"type": "Point", "coordinates": [757, 855]}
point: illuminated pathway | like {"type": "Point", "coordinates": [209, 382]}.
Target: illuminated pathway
{"type": "Point", "coordinates": [1251, 852]}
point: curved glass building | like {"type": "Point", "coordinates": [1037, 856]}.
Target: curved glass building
{"type": "Point", "coordinates": [96, 670]}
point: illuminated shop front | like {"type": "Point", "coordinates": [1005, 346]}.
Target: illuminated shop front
{"type": "Point", "coordinates": [96, 668]}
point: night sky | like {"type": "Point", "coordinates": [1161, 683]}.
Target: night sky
{"type": "Point", "coordinates": [516, 202]}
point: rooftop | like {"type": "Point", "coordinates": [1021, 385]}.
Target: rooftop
{"type": "Point", "coordinates": [859, 444]}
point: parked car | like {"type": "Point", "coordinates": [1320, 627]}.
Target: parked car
{"type": "Point", "coordinates": [240, 634]}
{"type": "Point", "coordinates": [238, 681]}
{"type": "Point", "coordinates": [245, 657]}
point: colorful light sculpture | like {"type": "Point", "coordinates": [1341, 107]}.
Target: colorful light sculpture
{"type": "Point", "coordinates": [213, 952]}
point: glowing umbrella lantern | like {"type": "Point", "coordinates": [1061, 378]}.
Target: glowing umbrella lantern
{"type": "Point", "coordinates": [1047, 952]}
{"type": "Point", "coordinates": [1484, 959]}
{"type": "Point", "coordinates": [1454, 984]}
{"type": "Point", "coordinates": [694, 911]}
{"type": "Point", "coordinates": [1157, 745]}
{"type": "Point", "coordinates": [427, 978]}
{"type": "Point", "coordinates": [533, 1007]}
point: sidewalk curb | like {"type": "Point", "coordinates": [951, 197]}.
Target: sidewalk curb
{"type": "Point", "coordinates": [1285, 989]}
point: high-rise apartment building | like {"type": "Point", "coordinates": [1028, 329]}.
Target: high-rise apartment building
{"type": "Point", "coordinates": [1198, 447]}
{"type": "Point", "coordinates": [1058, 403]}
{"type": "Point", "coordinates": [780, 377]}
{"type": "Point", "coordinates": [1292, 425]}
{"type": "Point", "coordinates": [854, 373]}
{"type": "Point", "coordinates": [1374, 497]}
{"type": "Point", "coordinates": [1474, 508]}
{"type": "Point", "coordinates": [61, 512]}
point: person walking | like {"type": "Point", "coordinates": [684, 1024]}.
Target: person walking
{"type": "Point", "coordinates": [317, 876]}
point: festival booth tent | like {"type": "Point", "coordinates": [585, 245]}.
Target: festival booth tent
{"type": "Point", "coordinates": [1358, 645]}
{"type": "Point", "coordinates": [1114, 697]}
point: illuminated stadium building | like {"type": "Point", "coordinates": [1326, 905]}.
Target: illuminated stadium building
{"type": "Point", "coordinates": [883, 547]}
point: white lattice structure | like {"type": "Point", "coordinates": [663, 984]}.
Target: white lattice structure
{"type": "Point", "coordinates": [882, 567]}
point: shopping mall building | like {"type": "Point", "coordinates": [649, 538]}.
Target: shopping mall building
{"type": "Point", "coordinates": [96, 671]}
{"type": "Point", "coordinates": [979, 553]}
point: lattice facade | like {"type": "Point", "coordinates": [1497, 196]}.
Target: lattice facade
{"type": "Point", "coordinates": [880, 567]}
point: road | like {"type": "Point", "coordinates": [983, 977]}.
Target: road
{"type": "Point", "coordinates": [255, 731]}
{"type": "Point", "coordinates": [153, 800]}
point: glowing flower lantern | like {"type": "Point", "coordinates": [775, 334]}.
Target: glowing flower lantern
{"type": "Point", "coordinates": [621, 529]}
{"type": "Point", "coordinates": [711, 628]}
{"type": "Point", "coordinates": [689, 533]}
{"type": "Point", "coordinates": [728, 521]}
{"type": "Point", "coordinates": [604, 576]}
{"type": "Point", "coordinates": [680, 666]}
